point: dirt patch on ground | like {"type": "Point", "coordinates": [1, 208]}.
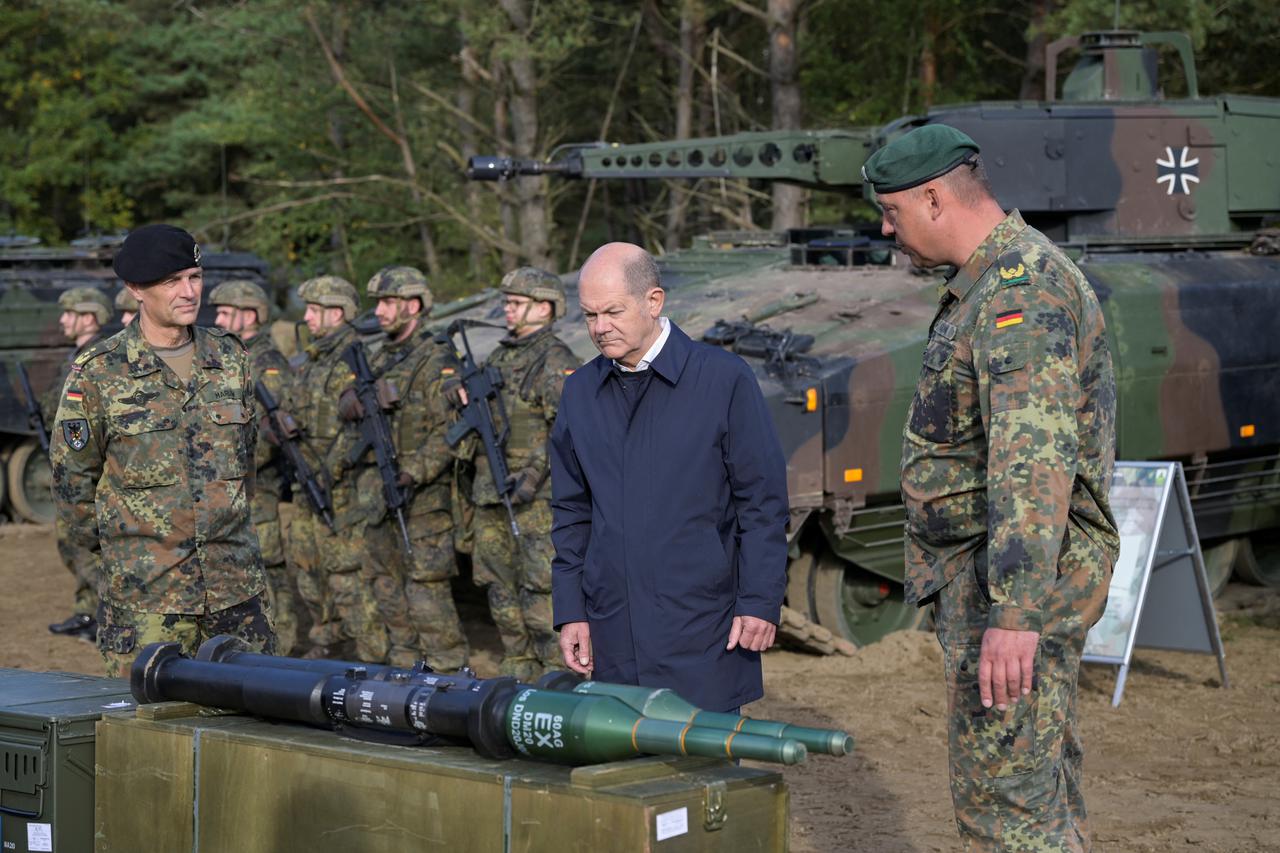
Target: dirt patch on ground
{"type": "Point", "coordinates": [1182, 764]}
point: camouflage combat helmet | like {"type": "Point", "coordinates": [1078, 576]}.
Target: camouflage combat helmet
{"type": "Point", "coordinates": [242, 293]}
{"type": "Point", "coordinates": [331, 292]}
{"type": "Point", "coordinates": [404, 282]}
{"type": "Point", "coordinates": [87, 300]}
{"type": "Point", "coordinates": [125, 301]}
{"type": "Point", "coordinates": [536, 284]}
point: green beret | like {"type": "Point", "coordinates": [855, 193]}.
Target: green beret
{"type": "Point", "coordinates": [918, 157]}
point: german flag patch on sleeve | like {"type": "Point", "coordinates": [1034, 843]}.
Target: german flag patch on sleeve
{"type": "Point", "coordinates": [1005, 319]}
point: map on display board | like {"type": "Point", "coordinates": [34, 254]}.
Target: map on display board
{"type": "Point", "coordinates": [1159, 595]}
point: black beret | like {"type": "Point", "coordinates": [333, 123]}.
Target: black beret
{"type": "Point", "coordinates": [153, 252]}
{"type": "Point", "coordinates": [918, 157]}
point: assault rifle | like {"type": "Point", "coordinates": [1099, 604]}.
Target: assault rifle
{"type": "Point", "coordinates": [286, 429]}
{"type": "Point", "coordinates": [375, 435]}
{"type": "Point", "coordinates": [482, 385]}
{"type": "Point", "coordinates": [34, 417]}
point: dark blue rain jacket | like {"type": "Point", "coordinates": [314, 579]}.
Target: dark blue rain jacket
{"type": "Point", "coordinates": [670, 519]}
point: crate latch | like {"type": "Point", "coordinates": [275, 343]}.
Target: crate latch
{"type": "Point", "coordinates": [715, 811]}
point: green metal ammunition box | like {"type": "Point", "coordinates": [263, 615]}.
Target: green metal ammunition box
{"type": "Point", "coordinates": [46, 757]}
{"type": "Point", "coordinates": [171, 780]}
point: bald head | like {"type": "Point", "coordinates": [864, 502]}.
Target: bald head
{"type": "Point", "coordinates": [621, 296]}
{"type": "Point", "coordinates": [632, 263]}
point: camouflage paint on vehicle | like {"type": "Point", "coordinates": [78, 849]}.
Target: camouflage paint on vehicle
{"type": "Point", "coordinates": [1158, 201]}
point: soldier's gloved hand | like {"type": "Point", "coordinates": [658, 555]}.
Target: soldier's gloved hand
{"type": "Point", "coordinates": [266, 429]}
{"type": "Point", "coordinates": [524, 485]}
{"type": "Point", "coordinates": [404, 480]}
{"type": "Point", "coordinates": [349, 406]}
{"type": "Point", "coordinates": [454, 394]}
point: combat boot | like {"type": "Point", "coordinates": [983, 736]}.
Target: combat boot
{"type": "Point", "coordinates": [79, 625]}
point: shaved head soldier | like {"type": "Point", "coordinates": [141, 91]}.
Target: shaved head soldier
{"type": "Point", "coordinates": [153, 472]}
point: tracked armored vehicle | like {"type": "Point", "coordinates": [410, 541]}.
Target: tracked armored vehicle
{"type": "Point", "coordinates": [32, 277]}
{"type": "Point", "coordinates": [1165, 205]}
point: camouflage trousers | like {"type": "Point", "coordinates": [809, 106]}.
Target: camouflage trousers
{"type": "Point", "coordinates": [86, 594]}
{"type": "Point", "coordinates": [342, 610]}
{"type": "Point", "coordinates": [517, 575]}
{"type": "Point", "coordinates": [280, 584]}
{"type": "Point", "coordinates": [122, 633]}
{"type": "Point", "coordinates": [413, 595]}
{"type": "Point", "coordinates": [1016, 774]}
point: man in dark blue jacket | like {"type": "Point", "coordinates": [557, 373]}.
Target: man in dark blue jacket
{"type": "Point", "coordinates": [669, 498]}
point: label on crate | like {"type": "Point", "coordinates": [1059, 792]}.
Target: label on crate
{"type": "Point", "coordinates": [673, 823]}
{"type": "Point", "coordinates": [40, 837]}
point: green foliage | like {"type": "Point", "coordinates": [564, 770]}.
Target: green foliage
{"type": "Point", "coordinates": [227, 117]}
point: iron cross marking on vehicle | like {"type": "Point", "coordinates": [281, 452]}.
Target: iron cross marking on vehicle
{"type": "Point", "coordinates": [1177, 172]}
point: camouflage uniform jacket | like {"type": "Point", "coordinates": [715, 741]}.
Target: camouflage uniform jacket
{"type": "Point", "coordinates": [417, 367]}
{"type": "Point", "coordinates": [313, 402]}
{"type": "Point", "coordinates": [154, 478]}
{"type": "Point", "coordinates": [533, 371]}
{"type": "Point", "coordinates": [1011, 435]}
{"type": "Point", "coordinates": [53, 394]}
{"type": "Point", "coordinates": [268, 364]}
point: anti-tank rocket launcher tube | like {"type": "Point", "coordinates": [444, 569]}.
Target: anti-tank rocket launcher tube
{"type": "Point", "coordinates": [498, 717]}
{"type": "Point", "coordinates": [658, 704]}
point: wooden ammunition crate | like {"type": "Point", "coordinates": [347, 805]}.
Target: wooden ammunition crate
{"type": "Point", "coordinates": [170, 779]}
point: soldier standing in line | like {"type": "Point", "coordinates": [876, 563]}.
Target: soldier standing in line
{"type": "Point", "coordinates": [415, 601]}
{"type": "Point", "coordinates": [153, 465]}
{"type": "Point", "coordinates": [126, 305]}
{"type": "Point", "coordinates": [341, 609]}
{"type": "Point", "coordinates": [85, 310]}
{"type": "Point", "coordinates": [243, 310]}
{"type": "Point", "coordinates": [534, 364]}
{"type": "Point", "coordinates": [1006, 465]}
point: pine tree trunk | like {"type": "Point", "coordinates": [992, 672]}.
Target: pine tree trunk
{"type": "Point", "coordinates": [692, 33]}
{"type": "Point", "coordinates": [788, 200]}
{"type": "Point", "coordinates": [531, 192]}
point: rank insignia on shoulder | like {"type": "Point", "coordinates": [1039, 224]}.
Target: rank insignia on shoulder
{"type": "Point", "coordinates": [1012, 269]}
{"type": "Point", "coordinates": [1005, 319]}
{"type": "Point", "coordinates": [76, 433]}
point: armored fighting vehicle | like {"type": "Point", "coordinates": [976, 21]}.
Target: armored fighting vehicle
{"type": "Point", "coordinates": [1165, 204]}
{"type": "Point", "coordinates": [32, 277]}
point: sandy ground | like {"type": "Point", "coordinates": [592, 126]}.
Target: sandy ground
{"type": "Point", "coordinates": [1182, 764]}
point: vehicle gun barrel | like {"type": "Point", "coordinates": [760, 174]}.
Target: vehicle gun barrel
{"type": "Point", "coordinates": [822, 159]}
{"type": "Point", "coordinates": [497, 716]}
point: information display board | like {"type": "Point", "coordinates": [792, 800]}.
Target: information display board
{"type": "Point", "coordinates": [1159, 596]}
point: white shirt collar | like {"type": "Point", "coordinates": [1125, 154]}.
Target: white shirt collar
{"type": "Point", "coordinates": [649, 356]}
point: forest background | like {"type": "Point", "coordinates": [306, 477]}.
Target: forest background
{"type": "Point", "coordinates": [330, 136]}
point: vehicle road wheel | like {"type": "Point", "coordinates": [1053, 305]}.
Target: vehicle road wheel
{"type": "Point", "coordinates": [1219, 560]}
{"type": "Point", "coordinates": [31, 483]}
{"type": "Point", "coordinates": [1259, 561]}
{"type": "Point", "coordinates": [858, 605]}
